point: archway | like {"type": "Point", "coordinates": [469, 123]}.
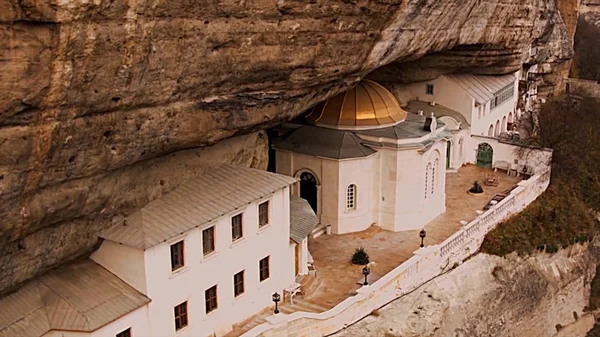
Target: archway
{"type": "Point", "coordinates": [308, 189]}
{"type": "Point", "coordinates": [485, 155]}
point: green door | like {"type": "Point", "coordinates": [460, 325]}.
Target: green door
{"type": "Point", "coordinates": [448, 153]}
{"type": "Point", "coordinates": [485, 153]}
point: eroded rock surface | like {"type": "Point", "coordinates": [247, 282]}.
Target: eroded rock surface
{"type": "Point", "coordinates": [94, 95]}
{"type": "Point", "coordinates": [541, 296]}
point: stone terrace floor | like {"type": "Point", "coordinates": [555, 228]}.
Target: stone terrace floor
{"type": "Point", "coordinates": [390, 249]}
{"type": "Point", "coordinates": [387, 249]}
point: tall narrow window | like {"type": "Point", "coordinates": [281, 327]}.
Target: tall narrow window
{"type": "Point", "coordinates": [263, 267]}
{"type": "Point", "coordinates": [351, 197]}
{"type": "Point", "coordinates": [181, 316]}
{"type": "Point", "coordinates": [263, 214]}
{"type": "Point", "coordinates": [427, 169]}
{"type": "Point", "coordinates": [210, 297]}
{"type": "Point", "coordinates": [236, 227]}
{"type": "Point", "coordinates": [429, 89]}
{"type": "Point", "coordinates": [433, 171]}
{"type": "Point", "coordinates": [125, 333]}
{"type": "Point", "coordinates": [208, 240]}
{"type": "Point", "coordinates": [238, 284]}
{"type": "Point", "coordinates": [177, 255]}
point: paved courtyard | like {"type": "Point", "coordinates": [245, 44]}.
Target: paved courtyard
{"type": "Point", "coordinates": [389, 249]}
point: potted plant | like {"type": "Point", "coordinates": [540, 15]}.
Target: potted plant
{"type": "Point", "coordinates": [476, 188]}
{"type": "Point", "coordinates": [360, 257]}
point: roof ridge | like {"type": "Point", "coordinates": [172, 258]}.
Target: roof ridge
{"type": "Point", "coordinates": [66, 301]}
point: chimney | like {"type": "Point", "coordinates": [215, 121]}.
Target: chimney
{"type": "Point", "coordinates": [430, 123]}
{"type": "Point", "coordinates": [432, 103]}
{"type": "Point", "coordinates": [420, 112]}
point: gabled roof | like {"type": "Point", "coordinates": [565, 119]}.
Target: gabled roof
{"type": "Point", "coordinates": [302, 219]}
{"type": "Point", "coordinates": [82, 296]}
{"type": "Point", "coordinates": [194, 203]}
{"type": "Point", "coordinates": [322, 142]}
{"type": "Point", "coordinates": [481, 87]}
{"type": "Point", "coordinates": [438, 109]}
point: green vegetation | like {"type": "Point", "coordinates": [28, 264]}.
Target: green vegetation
{"type": "Point", "coordinates": [587, 53]}
{"type": "Point", "coordinates": [566, 212]}
{"type": "Point", "coordinates": [476, 188]}
{"type": "Point", "coordinates": [360, 256]}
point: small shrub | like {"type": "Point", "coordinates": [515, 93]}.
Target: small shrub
{"type": "Point", "coordinates": [375, 313]}
{"type": "Point", "coordinates": [558, 327]}
{"type": "Point", "coordinates": [360, 256]}
{"type": "Point", "coordinates": [476, 188]}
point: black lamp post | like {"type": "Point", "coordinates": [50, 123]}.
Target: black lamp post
{"type": "Point", "coordinates": [366, 271]}
{"type": "Point", "coordinates": [276, 299]}
{"type": "Point", "coordinates": [422, 235]}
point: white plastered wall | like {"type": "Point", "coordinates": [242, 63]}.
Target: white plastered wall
{"type": "Point", "coordinates": [124, 261]}
{"type": "Point", "coordinates": [168, 289]}
{"type": "Point", "coordinates": [537, 158]}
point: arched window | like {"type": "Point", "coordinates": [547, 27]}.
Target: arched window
{"type": "Point", "coordinates": [504, 124]}
{"type": "Point", "coordinates": [491, 131]}
{"type": "Point", "coordinates": [351, 197]}
{"type": "Point", "coordinates": [433, 171]}
{"type": "Point", "coordinates": [497, 129]}
{"type": "Point", "coordinates": [427, 169]}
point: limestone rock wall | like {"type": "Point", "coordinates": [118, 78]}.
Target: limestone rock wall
{"type": "Point", "coordinates": [540, 296]}
{"type": "Point", "coordinates": [97, 95]}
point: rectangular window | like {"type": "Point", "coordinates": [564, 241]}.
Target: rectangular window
{"type": "Point", "coordinates": [210, 296]}
{"type": "Point", "coordinates": [429, 89]}
{"type": "Point", "coordinates": [125, 333]}
{"type": "Point", "coordinates": [181, 319]}
{"type": "Point", "coordinates": [263, 266]}
{"type": "Point", "coordinates": [238, 284]}
{"type": "Point", "coordinates": [236, 227]}
{"type": "Point", "coordinates": [208, 240]}
{"type": "Point", "coordinates": [177, 256]}
{"type": "Point", "coordinates": [263, 214]}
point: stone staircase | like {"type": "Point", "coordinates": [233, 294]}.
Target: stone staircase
{"type": "Point", "coordinates": [319, 230]}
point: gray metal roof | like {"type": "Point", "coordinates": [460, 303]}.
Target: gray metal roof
{"type": "Point", "coordinates": [302, 219]}
{"type": "Point", "coordinates": [81, 296]}
{"type": "Point", "coordinates": [438, 109]}
{"type": "Point", "coordinates": [412, 127]}
{"type": "Point", "coordinates": [324, 142]}
{"type": "Point", "coordinates": [481, 87]}
{"type": "Point", "coordinates": [194, 203]}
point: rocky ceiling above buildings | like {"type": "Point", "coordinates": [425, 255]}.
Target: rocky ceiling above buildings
{"type": "Point", "coordinates": [106, 104]}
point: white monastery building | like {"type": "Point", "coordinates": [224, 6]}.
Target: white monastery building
{"type": "Point", "coordinates": [203, 257]}
{"type": "Point", "coordinates": [211, 253]}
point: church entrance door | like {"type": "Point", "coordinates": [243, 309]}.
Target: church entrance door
{"type": "Point", "coordinates": [308, 189]}
{"type": "Point", "coordinates": [485, 155]}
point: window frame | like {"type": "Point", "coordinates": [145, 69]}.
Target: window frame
{"type": "Point", "coordinates": [211, 299]}
{"type": "Point", "coordinates": [266, 268]}
{"type": "Point", "coordinates": [240, 227]}
{"type": "Point", "coordinates": [262, 223]}
{"type": "Point", "coordinates": [212, 230]}
{"type": "Point", "coordinates": [236, 291]}
{"type": "Point", "coordinates": [429, 86]}
{"type": "Point", "coordinates": [180, 253]}
{"type": "Point", "coordinates": [124, 333]}
{"type": "Point", "coordinates": [351, 197]}
{"type": "Point", "coordinates": [182, 317]}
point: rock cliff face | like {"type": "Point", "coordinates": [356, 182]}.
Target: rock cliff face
{"type": "Point", "coordinates": [542, 296]}
{"type": "Point", "coordinates": [105, 104]}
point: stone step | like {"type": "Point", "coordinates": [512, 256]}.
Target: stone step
{"type": "Point", "coordinates": [318, 231]}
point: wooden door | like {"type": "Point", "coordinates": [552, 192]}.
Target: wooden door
{"type": "Point", "coordinates": [297, 260]}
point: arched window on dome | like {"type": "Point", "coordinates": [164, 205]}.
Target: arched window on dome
{"type": "Point", "coordinates": [351, 197]}
{"type": "Point", "coordinates": [433, 172]}
{"type": "Point", "coordinates": [427, 169]}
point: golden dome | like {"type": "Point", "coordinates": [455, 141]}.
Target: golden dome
{"type": "Point", "coordinates": [366, 106]}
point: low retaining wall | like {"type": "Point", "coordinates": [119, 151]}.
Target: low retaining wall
{"type": "Point", "coordinates": [426, 264]}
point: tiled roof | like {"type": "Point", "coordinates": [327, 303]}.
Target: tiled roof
{"type": "Point", "coordinates": [194, 203]}
{"type": "Point", "coordinates": [481, 88]}
{"type": "Point", "coordinates": [302, 219]}
{"type": "Point", "coordinates": [81, 296]}
{"type": "Point", "coordinates": [438, 109]}
{"type": "Point", "coordinates": [412, 127]}
{"type": "Point", "coordinates": [323, 142]}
